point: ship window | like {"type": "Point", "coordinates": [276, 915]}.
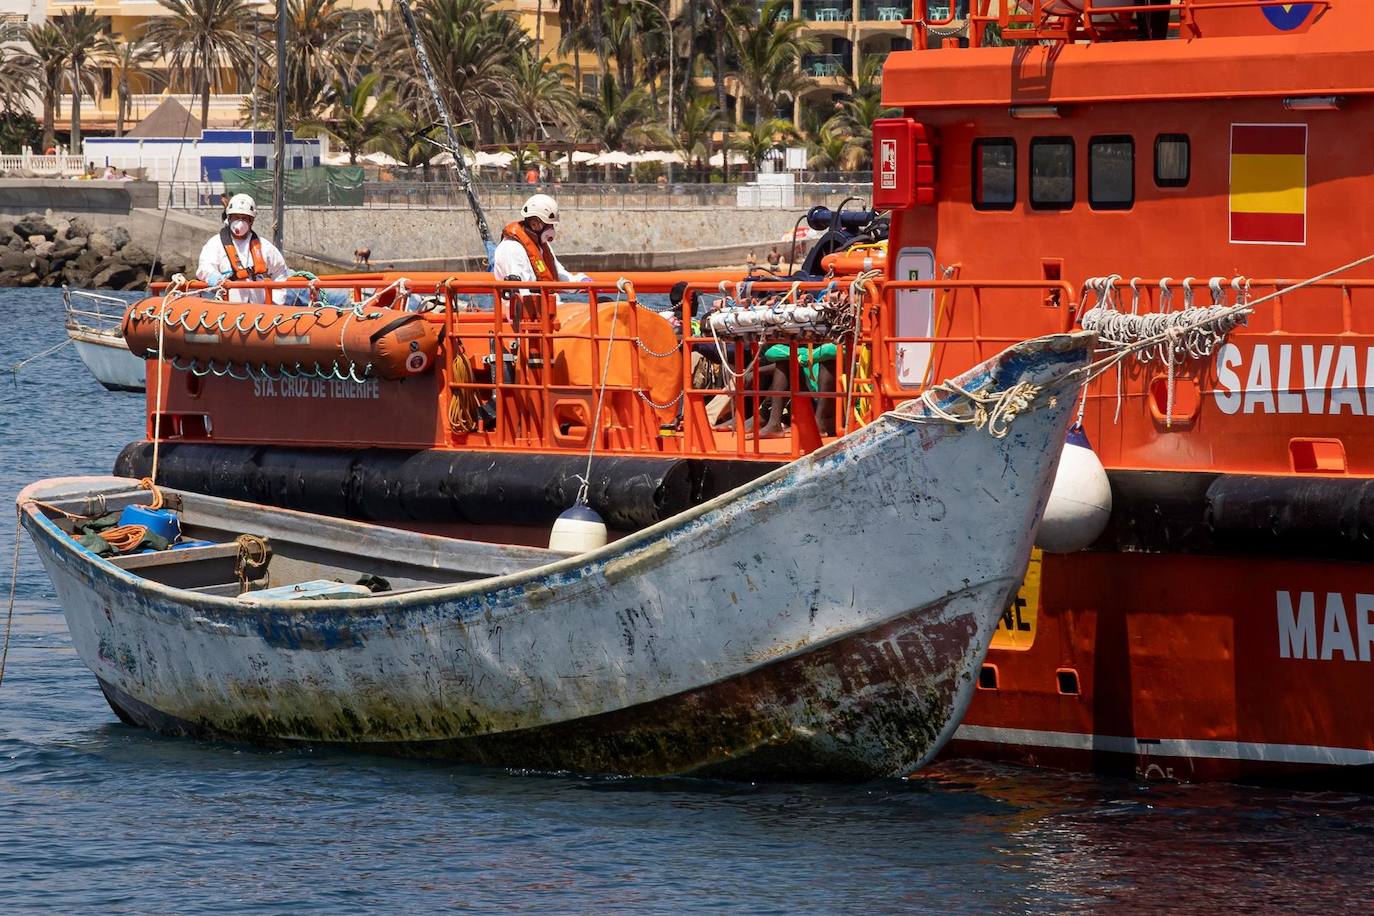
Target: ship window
{"type": "Point", "coordinates": [1111, 173]}
{"type": "Point", "coordinates": [994, 173]}
{"type": "Point", "coordinates": [1173, 157]}
{"type": "Point", "coordinates": [1052, 173]}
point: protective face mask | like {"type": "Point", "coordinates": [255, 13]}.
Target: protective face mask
{"type": "Point", "coordinates": [547, 235]}
{"type": "Point", "coordinates": [239, 227]}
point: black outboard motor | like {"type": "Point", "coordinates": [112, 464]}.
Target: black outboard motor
{"type": "Point", "coordinates": [842, 228]}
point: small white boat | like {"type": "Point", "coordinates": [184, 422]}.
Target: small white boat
{"type": "Point", "coordinates": [93, 324]}
{"type": "Point", "coordinates": [827, 619]}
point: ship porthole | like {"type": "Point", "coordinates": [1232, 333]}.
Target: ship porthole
{"type": "Point", "coordinates": [987, 677]}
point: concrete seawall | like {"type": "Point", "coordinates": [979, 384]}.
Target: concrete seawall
{"type": "Point", "coordinates": [680, 237]}
{"type": "Point", "coordinates": [37, 195]}
{"type": "Point", "coordinates": [424, 239]}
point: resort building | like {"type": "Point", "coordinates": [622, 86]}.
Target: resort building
{"type": "Point", "coordinates": [847, 32]}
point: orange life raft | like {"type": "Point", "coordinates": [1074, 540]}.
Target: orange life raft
{"type": "Point", "coordinates": [385, 343]}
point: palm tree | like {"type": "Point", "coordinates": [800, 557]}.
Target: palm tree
{"type": "Point", "coordinates": [204, 41]}
{"type": "Point", "coordinates": [418, 140]}
{"type": "Point", "coordinates": [48, 61]}
{"type": "Point", "coordinates": [621, 32]}
{"type": "Point", "coordinates": [722, 14]}
{"type": "Point", "coordinates": [17, 81]}
{"type": "Point", "coordinates": [542, 96]}
{"type": "Point", "coordinates": [855, 113]}
{"type": "Point", "coordinates": [770, 54]}
{"type": "Point", "coordinates": [125, 59]}
{"type": "Point", "coordinates": [364, 115]}
{"type": "Point", "coordinates": [689, 20]}
{"type": "Point", "coordinates": [83, 36]}
{"type": "Point", "coordinates": [697, 124]}
{"type": "Point", "coordinates": [574, 34]}
{"type": "Point", "coordinates": [761, 138]}
{"type": "Point", "coordinates": [616, 118]}
{"type": "Point", "coordinates": [473, 47]}
{"type": "Point", "coordinates": [320, 35]}
{"type": "Point", "coordinates": [830, 151]}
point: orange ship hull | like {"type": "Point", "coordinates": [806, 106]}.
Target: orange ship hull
{"type": "Point", "coordinates": [1184, 667]}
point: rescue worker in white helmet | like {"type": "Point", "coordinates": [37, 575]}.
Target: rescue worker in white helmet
{"type": "Point", "coordinates": [525, 251]}
{"type": "Point", "coordinates": [239, 253]}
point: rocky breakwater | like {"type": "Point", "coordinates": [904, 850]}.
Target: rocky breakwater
{"type": "Point", "coordinates": [38, 250]}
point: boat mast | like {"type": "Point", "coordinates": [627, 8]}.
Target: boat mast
{"type": "Point", "coordinates": [464, 178]}
{"type": "Point", "coordinates": [279, 141]}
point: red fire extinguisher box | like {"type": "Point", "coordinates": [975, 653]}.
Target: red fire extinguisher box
{"type": "Point", "coordinates": [903, 164]}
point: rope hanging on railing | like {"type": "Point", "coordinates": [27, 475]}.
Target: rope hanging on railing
{"type": "Point", "coordinates": [623, 287]}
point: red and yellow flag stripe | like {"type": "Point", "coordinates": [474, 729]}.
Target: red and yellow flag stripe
{"type": "Point", "coordinates": [1269, 183]}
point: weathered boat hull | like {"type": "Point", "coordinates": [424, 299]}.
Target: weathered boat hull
{"type": "Point", "coordinates": [108, 359]}
{"type": "Point", "coordinates": [827, 619]}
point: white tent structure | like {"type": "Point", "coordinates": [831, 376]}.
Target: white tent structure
{"type": "Point", "coordinates": [667, 158]}
{"type": "Point", "coordinates": [499, 160]}
{"type": "Point", "coordinates": [379, 159]}
{"type": "Point", "coordinates": [615, 157]}
{"type": "Point", "coordinates": [578, 156]}
{"type": "Point", "coordinates": [736, 158]}
{"type": "Point", "coordinates": [446, 158]}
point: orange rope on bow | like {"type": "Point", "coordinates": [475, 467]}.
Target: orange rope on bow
{"type": "Point", "coordinates": [124, 537]}
{"type": "Point", "coordinates": [147, 484]}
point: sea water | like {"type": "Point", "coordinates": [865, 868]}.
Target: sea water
{"type": "Point", "coordinates": [99, 817]}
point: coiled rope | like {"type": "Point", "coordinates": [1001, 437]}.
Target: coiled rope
{"type": "Point", "coordinates": [995, 411]}
{"type": "Point", "coordinates": [252, 552]}
{"type": "Point", "coordinates": [463, 403]}
{"type": "Point", "coordinates": [124, 538]}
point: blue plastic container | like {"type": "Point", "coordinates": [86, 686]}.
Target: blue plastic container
{"type": "Point", "coordinates": [162, 522]}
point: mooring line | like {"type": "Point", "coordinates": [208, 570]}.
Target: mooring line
{"type": "Point", "coordinates": [14, 370]}
{"type": "Point", "coordinates": [14, 586]}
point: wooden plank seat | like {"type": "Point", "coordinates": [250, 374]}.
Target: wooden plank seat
{"type": "Point", "coordinates": [211, 568]}
{"type": "Point", "coordinates": [182, 555]}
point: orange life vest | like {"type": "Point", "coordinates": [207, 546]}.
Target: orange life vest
{"type": "Point", "coordinates": [540, 255]}
{"type": "Point", "coordinates": [240, 272]}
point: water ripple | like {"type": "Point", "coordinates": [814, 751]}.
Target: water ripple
{"type": "Point", "coordinates": [95, 816]}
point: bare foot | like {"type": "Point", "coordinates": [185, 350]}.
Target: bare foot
{"type": "Point", "coordinates": [772, 431]}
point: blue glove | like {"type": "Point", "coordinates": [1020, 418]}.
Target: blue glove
{"type": "Point", "coordinates": [214, 278]}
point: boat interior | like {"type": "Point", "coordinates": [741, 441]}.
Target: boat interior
{"type": "Point", "coordinates": [257, 553]}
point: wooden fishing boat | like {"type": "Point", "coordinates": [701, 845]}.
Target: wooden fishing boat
{"type": "Point", "coordinates": [826, 619]}
{"type": "Point", "coordinates": [93, 324]}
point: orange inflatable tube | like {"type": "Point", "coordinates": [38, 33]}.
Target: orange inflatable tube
{"type": "Point", "coordinates": [645, 331]}
{"type": "Point", "coordinates": [855, 260]}
{"type": "Point", "coordinates": [386, 343]}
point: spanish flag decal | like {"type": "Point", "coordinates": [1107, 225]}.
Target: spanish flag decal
{"type": "Point", "coordinates": [1269, 184]}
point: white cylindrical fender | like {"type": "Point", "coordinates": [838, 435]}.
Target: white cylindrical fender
{"type": "Point", "coordinates": [578, 530]}
{"type": "Point", "coordinates": [1080, 502]}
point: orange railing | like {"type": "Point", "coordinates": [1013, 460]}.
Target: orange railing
{"type": "Point", "coordinates": [518, 371]}
{"type": "Point", "coordinates": [1057, 20]}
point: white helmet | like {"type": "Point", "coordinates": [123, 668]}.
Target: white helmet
{"type": "Point", "coordinates": [241, 205]}
{"type": "Point", "coordinates": [542, 207]}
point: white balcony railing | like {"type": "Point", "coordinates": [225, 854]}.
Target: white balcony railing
{"type": "Point", "coordinates": [43, 165]}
